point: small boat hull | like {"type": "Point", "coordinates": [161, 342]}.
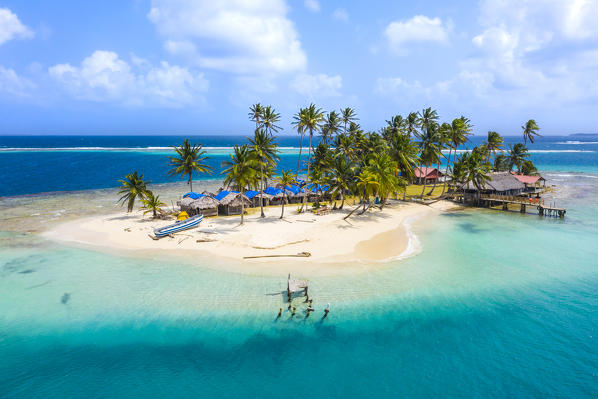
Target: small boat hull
{"type": "Point", "coordinates": [179, 226]}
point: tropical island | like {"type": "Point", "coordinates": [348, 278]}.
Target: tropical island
{"type": "Point", "coordinates": [351, 198]}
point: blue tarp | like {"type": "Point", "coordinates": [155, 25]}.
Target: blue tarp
{"type": "Point", "coordinates": [251, 193]}
{"type": "Point", "coordinates": [193, 195]}
{"type": "Point", "coordinates": [221, 195]}
{"type": "Point", "coordinates": [294, 189]}
{"type": "Point", "coordinates": [276, 192]}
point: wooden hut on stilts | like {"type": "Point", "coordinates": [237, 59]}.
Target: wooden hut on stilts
{"type": "Point", "coordinates": [296, 286]}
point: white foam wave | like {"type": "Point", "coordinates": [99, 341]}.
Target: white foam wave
{"type": "Point", "coordinates": [40, 149]}
{"type": "Point", "coordinates": [570, 175]}
{"type": "Point", "coordinates": [576, 142]}
{"type": "Point", "coordinates": [540, 151]}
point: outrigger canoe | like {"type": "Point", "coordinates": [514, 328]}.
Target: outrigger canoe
{"type": "Point", "coordinates": [178, 226]}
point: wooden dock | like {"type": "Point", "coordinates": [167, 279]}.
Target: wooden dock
{"type": "Point", "coordinates": [493, 200]}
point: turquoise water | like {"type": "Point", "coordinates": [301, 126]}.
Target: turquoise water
{"type": "Point", "coordinates": [496, 305]}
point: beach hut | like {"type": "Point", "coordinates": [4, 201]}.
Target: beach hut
{"type": "Point", "coordinates": [204, 204]}
{"type": "Point", "coordinates": [430, 175]}
{"type": "Point", "coordinates": [255, 197]}
{"type": "Point", "coordinates": [500, 183]}
{"type": "Point", "coordinates": [231, 202]}
{"type": "Point", "coordinates": [532, 184]}
{"type": "Point", "coordinates": [294, 194]}
{"type": "Point", "coordinates": [276, 194]}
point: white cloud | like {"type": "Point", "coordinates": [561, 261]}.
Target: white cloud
{"type": "Point", "coordinates": [13, 84]}
{"type": "Point", "coordinates": [312, 5]}
{"type": "Point", "coordinates": [103, 76]}
{"type": "Point", "coordinates": [340, 14]}
{"type": "Point", "coordinates": [317, 85]}
{"type": "Point", "coordinates": [246, 37]}
{"type": "Point", "coordinates": [11, 27]}
{"type": "Point", "coordinates": [535, 50]}
{"type": "Point", "coordinates": [417, 29]}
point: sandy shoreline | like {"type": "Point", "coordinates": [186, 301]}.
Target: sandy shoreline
{"type": "Point", "coordinates": [355, 244]}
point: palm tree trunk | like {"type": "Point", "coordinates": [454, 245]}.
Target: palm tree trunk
{"type": "Point", "coordinates": [299, 160]}
{"type": "Point", "coordinates": [283, 199]}
{"type": "Point", "coordinates": [446, 171]}
{"type": "Point", "coordinates": [342, 200]}
{"type": "Point", "coordinates": [425, 179]}
{"type": "Point", "coordinates": [436, 180]}
{"type": "Point", "coordinates": [242, 208]}
{"type": "Point", "coordinates": [190, 183]}
{"type": "Point", "coordinates": [308, 165]}
{"type": "Point", "coordinates": [262, 191]}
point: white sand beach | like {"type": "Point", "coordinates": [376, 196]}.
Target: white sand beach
{"type": "Point", "coordinates": [376, 236]}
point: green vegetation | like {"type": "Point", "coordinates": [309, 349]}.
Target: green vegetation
{"type": "Point", "coordinates": [188, 161]}
{"type": "Point", "coordinates": [152, 204]}
{"type": "Point", "coordinates": [132, 186]}
{"type": "Point", "coordinates": [351, 162]}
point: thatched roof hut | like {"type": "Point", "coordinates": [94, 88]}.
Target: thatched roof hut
{"type": "Point", "coordinates": [205, 204]}
{"type": "Point", "coordinates": [235, 199]}
{"type": "Point", "coordinates": [500, 182]}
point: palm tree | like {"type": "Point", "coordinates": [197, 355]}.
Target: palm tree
{"type": "Point", "coordinates": [517, 155]}
{"type": "Point", "coordinates": [255, 114]}
{"type": "Point", "coordinates": [404, 152]}
{"type": "Point", "coordinates": [132, 187]}
{"type": "Point", "coordinates": [309, 120]}
{"type": "Point", "coordinates": [456, 135]}
{"type": "Point", "coordinates": [530, 129]}
{"type": "Point", "coordinates": [264, 150]}
{"type": "Point", "coordinates": [348, 116]}
{"type": "Point", "coordinates": [411, 124]}
{"type": "Point", "coordinates": [502, 163]}
{"type": "Point", "coordinates": [286, 179]}
{"type": "Point", "coordinates": [331, 127]}
{"type": "Point", "coordinates": [340, 176]}
{"type": "Point", "coordinates": [189, 160]}
{"type": "Point", "coordinates": [301, 130]}
{"type": "Point", "coordinates": [152, 203]}
{"type": "Point", "coordinates": [384, 170]}
{"type": "Point", "coordinates": [430, 138]}
{"type": "Point", "coordinates": [493, 144]}
{"type": "Point", "coordinates": [366, 185]}
{"type": "Point", "coordinates": [528, 168]}
{"type": "Point", "coordinates": [240, 170]}
{"type": "Point", "coordinates": [269, 120]}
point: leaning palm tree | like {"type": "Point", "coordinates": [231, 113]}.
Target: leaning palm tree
{"type": "Point", "coordinates": [152, 203]}
{"type": "Point", "coordinates": [331, 127]}
{"type": "Point", "coordinates": [264, 150]}
{"type": "Point", "coordinates": [309, 120]}
{"type": "Point", "coordinates": [269, 120]}
{"type": "Point", "coordinates": [348, 116]}
{"type": "Point", "coordinates": [530, 129]}
{"type": "Point", "coordinates": [286, 179]}
{"type": "Point", "coordinates": [189, 159]}
{"type": "Point", "coordinates": [241, 171]}
{"type": "Point", "coordinates": [132, 187]}
{"type": "Point", "coordinates": [255, 114]}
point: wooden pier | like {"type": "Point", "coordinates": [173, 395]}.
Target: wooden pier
{"type": "Point", "coordinates": [494, 200]}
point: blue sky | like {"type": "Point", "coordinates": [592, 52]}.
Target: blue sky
{"type": "Point", "coordinates": [195, 66]}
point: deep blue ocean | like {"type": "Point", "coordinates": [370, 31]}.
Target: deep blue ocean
{"type": "Point", "coordinates": [495, 305]}
{"type": "Point", "coordinates": [34, 164]}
